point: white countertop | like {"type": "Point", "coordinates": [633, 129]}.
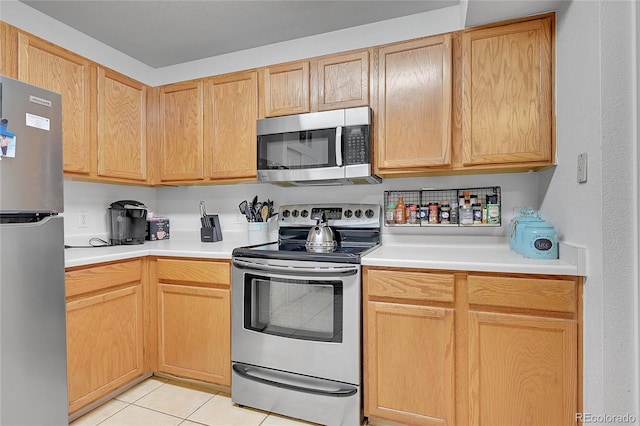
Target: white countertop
{"type": "Point", "coordinates": [472, 254]}
{"type": "Point", "coordinates": [481, 254]}
{"type": "Point", "coordinates": [184, 246]}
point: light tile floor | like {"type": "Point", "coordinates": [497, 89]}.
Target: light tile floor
{"type": "Point", "coordinates": [158, 401]}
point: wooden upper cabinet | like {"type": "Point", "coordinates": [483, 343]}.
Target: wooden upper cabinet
{"type": "Point", "coordinates": [51, 67]}
{"type": "Point", "coordinates": [340, 81]}
{"type": "Point", "coordinates": [286, 89]}
{"type": "Point", "coordinates": [122, 147]}
{"type": "Point", "coordinates": [414, 105]}
{"type": "Point", "coordinates": [181, 132]}
{"type": "Point", "coordinates": [507, 94]}
{"type": "Point", "coordinates": [231, 112]}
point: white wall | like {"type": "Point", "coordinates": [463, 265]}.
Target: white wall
{"type": "Point", "coordinates": [595, 114]}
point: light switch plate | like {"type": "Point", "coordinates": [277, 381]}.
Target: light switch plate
{"type": "Point", "coordinates": [582, 167]}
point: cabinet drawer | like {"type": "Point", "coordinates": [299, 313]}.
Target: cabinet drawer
{"type": "Point", "coordinates": [195, 271]}
{"type": "Point", "coordinates": [416, 286]}
{"type": "Point", "coordinates": [526, 293]}
{"type": "Point", "coordinates": [100, 277]}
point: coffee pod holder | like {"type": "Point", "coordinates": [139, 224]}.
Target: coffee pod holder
{"type": "Point", "coordinates": [210, 232]}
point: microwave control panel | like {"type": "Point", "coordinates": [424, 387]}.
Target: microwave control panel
{"type": "Point", "coordinates": [356, 145]}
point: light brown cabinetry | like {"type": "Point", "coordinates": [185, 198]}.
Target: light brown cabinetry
{"type": "Point", "coordinates": [487, 348]}
{"type": "Point", "coordinates": [409, 358]}
{"type": "Point", "coordinates": [523, 366]}
{"type": "Point", "coordinates": [181, 123]}
{"type": "Point", "coordinates": [285, 89]}
{"type": "Point", "coordinates": [51, 67]}
{"type": "Point", "coordinates": [340, 81]}
{"type": "Point", "coordinates": [231, 111]}
{"type": "Point", "coordinates": [507, 94]}
{"type": "Point", "coordinates": [413, 112]}
{"type": "Point", "coordinates": [194, 318]}
{"type": "Point", "coordinates": [122, 137]}
{"type": "Point", "coordinates": [104, 117]}
{"type": "Point", "coordinates": [105, 329]}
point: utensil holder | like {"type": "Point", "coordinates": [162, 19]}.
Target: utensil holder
{"type": "Point", "coordinates": [212, 231]}
{"type": "Point", "coordinates": [258, 232]}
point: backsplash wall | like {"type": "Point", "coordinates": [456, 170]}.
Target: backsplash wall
{"type": "Point", "coordinates": [180, 204]}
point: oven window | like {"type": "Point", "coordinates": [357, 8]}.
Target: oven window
{"type": "Point", "coordinates": [298, 309]}
{"type": "Point", "coordinates": [297, 150]}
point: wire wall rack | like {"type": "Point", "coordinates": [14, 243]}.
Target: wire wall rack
{"type": "Point", "coordinates": [445, 207]}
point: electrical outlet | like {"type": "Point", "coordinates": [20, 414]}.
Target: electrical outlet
{"type": "Point", "coordinates": [582, 167]}
{"type": "Point", "coordinates": [83, 220]}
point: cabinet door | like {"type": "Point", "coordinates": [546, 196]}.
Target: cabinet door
{"type": "Point", "coordinates": [181, 132]}
{"type": "Point", "coordinates": [342, 81]}
{"type": "Point", "coordinates": [104, 343]}
{"type": "Point", "coordinates": [51, 67]}
{"type": "Point", "coordinates": [194, 332]}
{"type": "Point", "coordinates": [522, 370]}
{"type": "Point", "coordinates": [232, 108]}
{"type": "Point", "coordinates": [286, 89]}
{"type": "Point", "coordinates": [507, 94]}
{"type": "Point", "coordinates": [414, 107]}
{"type": "Point", "coordinates": [122, 142]}
{"type": "Point", "coordinates": [409, 373]}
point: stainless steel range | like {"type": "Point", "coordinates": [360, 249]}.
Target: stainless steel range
{"type": "Point", "coordinates": [296, 316]}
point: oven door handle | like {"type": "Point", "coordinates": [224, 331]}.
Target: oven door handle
{"type": "Point", "coordinates": [297, 270]}
{"type": "Point", "coordinates": [280, 379]}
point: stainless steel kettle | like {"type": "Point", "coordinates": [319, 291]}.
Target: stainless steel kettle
{"type": "Point", "coordinates": [321, 237]}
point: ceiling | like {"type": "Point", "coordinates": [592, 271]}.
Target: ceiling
{"type": "Point", "coordinates": [163, 33]}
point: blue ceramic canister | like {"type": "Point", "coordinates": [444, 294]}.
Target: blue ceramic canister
{"type": "Point", "coordinates": [539, 241]}
{"type": "Point", "coordinates": [517, 226]}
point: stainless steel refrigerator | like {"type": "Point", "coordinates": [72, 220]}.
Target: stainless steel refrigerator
{"type": "Point", "coordinates": [33, 354]}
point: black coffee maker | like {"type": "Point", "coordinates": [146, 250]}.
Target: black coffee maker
{"type": "Point", "coordinates": [128, 220]}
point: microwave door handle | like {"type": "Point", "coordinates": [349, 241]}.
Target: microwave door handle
{"type": "Point", "coordinates": [339, 146]}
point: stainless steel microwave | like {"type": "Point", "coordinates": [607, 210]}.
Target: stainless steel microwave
{"type": "Point", "coordinates": [319, 148]}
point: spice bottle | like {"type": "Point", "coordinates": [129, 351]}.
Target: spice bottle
{"type": "Point", "coordinates": [453, 217]}
{"type": "Point", "coordinates": [433, 212]}
{"type": "Point", "coordinates": [401, 212]}
{"type": "Point", "coordinates": [413, 214]}
{"type": "Point", "coordinates": [389, 214]}
{"type": "Point", "coordinates": [477, 213]}
{"type": "Point", "coordinates": [445, 213]}
{"type": "Point", "coordinates": [493, 210]}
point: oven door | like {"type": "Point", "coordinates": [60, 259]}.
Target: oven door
{"type": "Point", "coordinates": [297, 316]}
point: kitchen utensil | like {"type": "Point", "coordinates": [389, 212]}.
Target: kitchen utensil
{"type": "Point", "coordinates": [257, 212]}
{"type": "Point", "coordinates": [249, 213]}
{"type": "Point", "coordinates": [264, 212]}
{"type": "Point", "coordinates": [321, 238]}
{"type": "Point", "coordinates": [204, 220]}
{"type": "Point", "coordinates": [243, 207]}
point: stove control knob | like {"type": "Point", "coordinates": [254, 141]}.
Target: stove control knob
{"type": "Point", "coordinates": [369, 213]}
{"type": "Point", "coordinates": [358, 213]}
{"type": "Point", "coordinates": [348, 213]}
{"type": "Point", "coordinates": [286, 213]}
{"type": "Point", "coordinates": [304, 213]}
{"type": "Point", "coordinates": [295, 213]}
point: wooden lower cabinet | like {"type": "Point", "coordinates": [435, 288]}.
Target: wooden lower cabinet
{"type": "Point", "coordinates": [503, 351]}
{"type": "Point", "coordinates": [105, 329]}
{"type": "Point", "coordinates": [522, 370]}
{"type": "Point", "coordinates": [194, 319]}
{"type": "Point", "coordinates": [411, 363]}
